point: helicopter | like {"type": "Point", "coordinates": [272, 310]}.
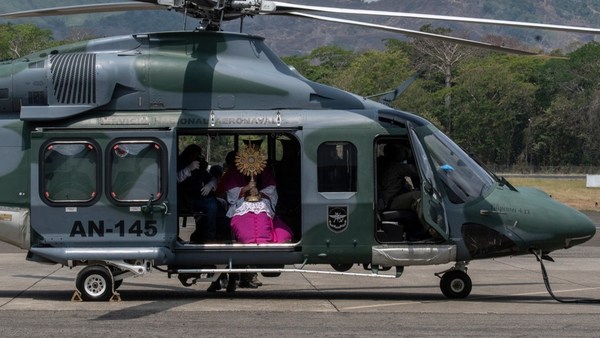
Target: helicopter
{"type": "Point", "coordinates": [91, 134]}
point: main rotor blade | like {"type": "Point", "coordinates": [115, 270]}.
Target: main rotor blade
{"type": "Point", "coordinates": [84, 9]}
{"type": "Point", "coordinates": [282, 7]}
{"type": "Point", "coordinates": [413, 33]}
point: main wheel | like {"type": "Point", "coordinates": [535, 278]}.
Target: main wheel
{"type": "Point", "coordinates": [456, 284]}
{"type": "Point", "coordinates": [95, 283]}
{"type": "Point", "coordinates": [342, 267]}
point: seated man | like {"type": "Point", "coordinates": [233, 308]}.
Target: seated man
{"type": "Point", "coordinates": [195, 190]}
{"type": "Point", "coordinates": [251, 221]}
{"type": "Point", "coordinates": [254, 221]}
{"type": "Point", "coordinates": [397, 183]}
{"type": "Point", "coordinates": [395, 192]}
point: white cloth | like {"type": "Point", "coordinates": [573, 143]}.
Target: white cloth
{"type": "Point", "coordinates": [238, 206]}
{"type": "Point", "coordinates": [187, 171]}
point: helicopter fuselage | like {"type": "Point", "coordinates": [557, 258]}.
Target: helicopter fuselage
{"type": "Point", "coordinates": [90, 136]}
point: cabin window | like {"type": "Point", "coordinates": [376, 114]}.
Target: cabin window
{"type": "Point", "coordinates": [136, 171]}
{"type": "Point", "coordinates": [70, 172]}
{"type": "Point", "coordinates": [336, 163]}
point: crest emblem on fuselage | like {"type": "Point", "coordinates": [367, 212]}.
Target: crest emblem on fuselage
{"type": "Point", "coordinates": [337, 218]}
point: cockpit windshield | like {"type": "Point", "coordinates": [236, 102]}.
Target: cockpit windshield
{"type": "Point", "coordinates": [463, 179]}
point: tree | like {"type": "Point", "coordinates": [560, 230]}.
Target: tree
{"type": "Point", "coordinates": [76, 34]}
{"type": "Point", "coordinates": [493, 101]}
{"type": "Point", "coordinates": [565, 133]}
{"type": "Point", "coordinates": [374, 72]}
{"type": "Point", "coordinates": [322, 64]}
{"type": "Point", "coordinates": [442, 57]}
{"type": "Point", "coordinates": [20, 40]}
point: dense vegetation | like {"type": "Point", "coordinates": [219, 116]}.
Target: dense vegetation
{"type": "Point", "coordinates": [507, 110]}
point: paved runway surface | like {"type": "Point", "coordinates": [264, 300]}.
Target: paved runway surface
{"type": "Point", "coordinates": [508, 299]}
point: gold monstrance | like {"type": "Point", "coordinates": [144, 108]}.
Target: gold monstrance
{"type": "Point", "coordinates": [250, 162]}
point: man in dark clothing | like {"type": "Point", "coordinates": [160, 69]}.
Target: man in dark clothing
{"type": "Point", "coordinates": [196, 192]}
{"type": "Point", "coordinates": [395, 191]}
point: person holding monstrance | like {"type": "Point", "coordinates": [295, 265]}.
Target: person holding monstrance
{"type": "Point", "coordinates": [252, 197]}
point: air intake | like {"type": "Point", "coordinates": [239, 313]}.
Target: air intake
{"type": "Point", "coordinates": [74, 78]}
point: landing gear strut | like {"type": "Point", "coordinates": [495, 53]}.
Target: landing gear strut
{"type": "Point", "coordinates": [455, 283]}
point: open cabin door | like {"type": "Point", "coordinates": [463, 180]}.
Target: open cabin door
{"type": "Point", "coordinates": [101, 189]}
{"type": "Point", "coordinates": [432, 206]}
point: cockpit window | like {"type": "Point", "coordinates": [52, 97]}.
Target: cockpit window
{"type": "Point", "coordinates": [462, 177]}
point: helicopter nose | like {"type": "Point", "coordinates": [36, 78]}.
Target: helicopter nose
{"type": "Point", "coordinates": [577, 228]}
{"type": "Point", "coordinates": [563, 226]}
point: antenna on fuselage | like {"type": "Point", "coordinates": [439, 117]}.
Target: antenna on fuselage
{"type": "Point", "coordinates": [185, 11]}
{"type": "Point", "coordinates": [389, 96]}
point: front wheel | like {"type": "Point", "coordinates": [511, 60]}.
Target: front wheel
{"type": "Point", "coordinates": [456, 284]}
{"type": "Point", "coordinates": [95, 283]}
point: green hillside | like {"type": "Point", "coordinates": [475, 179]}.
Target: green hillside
{"type": "Point", "coordinates": [292, 36]}
{"type": "Point", "coordinates": [97, 24]}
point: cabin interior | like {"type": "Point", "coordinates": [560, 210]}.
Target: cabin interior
{"type": "Point", "coordinates": [397, 183]}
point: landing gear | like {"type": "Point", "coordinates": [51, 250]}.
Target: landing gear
{"type": "Point", "coordinates": [454, 282]}
{"type": "Point", "coordinates": [95, 283]}
{"type": "Point", "coordinates": [98, 282]}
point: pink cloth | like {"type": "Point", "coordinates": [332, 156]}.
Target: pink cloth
{"type": "Point", "coordinates": [260, 228]}
{"type": "Point", "coordinates": [254, 227]}
{"type": "Point", "coordinates": [283, 233]}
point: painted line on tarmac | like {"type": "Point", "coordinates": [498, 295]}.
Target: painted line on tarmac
{"type": "Point", "coordinates": [470, 298]}
{"type": "Point", "coordinates": [534, 293]}
{"type": "Point", "coordinates": [575, 290]}
{"type": "Point", "coordinates": [377, 305]}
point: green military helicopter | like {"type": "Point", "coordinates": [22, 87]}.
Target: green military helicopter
{"type": "Point", "coordinates": [91, 134]}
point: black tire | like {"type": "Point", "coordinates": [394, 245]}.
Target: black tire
{"type": "Point", "coordinates": [271, 274]}
{"type": "Point", "coordinates": [456, 284]}
{"type": "Point", "coordinates": [342, 267]}
{"type": "Point", "coordinates": [95, 283]}
{"type": "Point", "coordinates": [118, 284]}
{"type": "Point", "coordinates": [115, 272]}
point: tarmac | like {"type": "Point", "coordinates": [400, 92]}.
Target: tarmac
{"type": "Point", "coordinates": [594, 216]}
{"type": "Point", "coordinates": [498, 284]}
{"type": "Point", "coordinates": [508, 299]}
